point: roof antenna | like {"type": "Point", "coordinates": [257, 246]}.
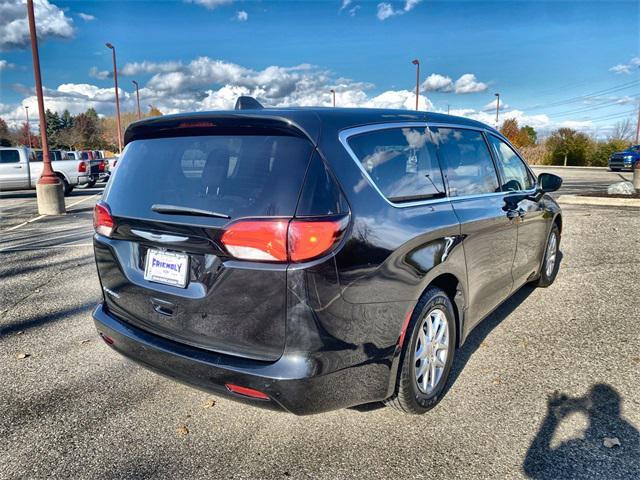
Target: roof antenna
{"type": "Point", "coordinates": [245, 102]}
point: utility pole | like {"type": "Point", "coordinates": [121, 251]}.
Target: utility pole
{"type": "Point", "coordinates": [333, 93]}
{"type": "Point", "coordinates": [115, 80]}
{"type": "Point", "coordinates": [636, 165]}
{"type": "Point", "coordinates": [448, 108]}
{"type": "Point", "coordinates": [497, 109]}
{"type": "Point", "coordinates": [416, 62]}
{"type": "Point", "coordinates": [638, 126]}
{"type": "Point", "coordinates": [26, 109]}
{"type": "Point", "coordinates": [49, 189]}
{"type": "Point", "coordinates": [137, 98]}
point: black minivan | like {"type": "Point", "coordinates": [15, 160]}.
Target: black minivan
{"type": "Point", "coordinates": [312, 259]}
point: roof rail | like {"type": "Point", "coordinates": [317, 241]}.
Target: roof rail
{"type": "Point", "coordinates": [245, 102]}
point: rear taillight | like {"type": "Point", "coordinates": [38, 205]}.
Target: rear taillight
{"type": "Point", "coordinates": [101, 166]}
{"type": "Point", "coordinates": [82, 167]}
{"type": "Point", "coordinates": [282, 240]}
{"type": "Point", "coordinates": [257, 240]}
{"type": "Point", "coordinates": [309, 239]}
{"type": "Point", "coordinates": [102, 220]}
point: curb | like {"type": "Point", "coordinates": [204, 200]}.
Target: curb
{"type": "Point", "coordinates": [606, 202]}
{"type": "Point", "coordinates": [568, 167]}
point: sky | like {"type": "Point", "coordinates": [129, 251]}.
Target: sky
{"type": "Point", "coordinates": [554, 63]}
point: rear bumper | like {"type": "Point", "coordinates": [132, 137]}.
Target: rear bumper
{"type": "Point", "coordinates": [289, 382]}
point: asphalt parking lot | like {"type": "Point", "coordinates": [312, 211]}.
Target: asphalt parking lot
{"type": "Point", "coordinates": [536, 391]}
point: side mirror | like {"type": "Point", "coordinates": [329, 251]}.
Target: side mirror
{"type": "Point", "coordinates": [548, 182]}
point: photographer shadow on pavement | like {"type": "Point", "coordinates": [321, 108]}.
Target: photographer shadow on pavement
{"type": "Point", "coordinates": [585, 457]}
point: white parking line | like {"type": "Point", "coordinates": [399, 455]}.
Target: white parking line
{"type": "Point", "coordinates": [21, 249]}
{"type": "Point", "coordinates": [15, 227]}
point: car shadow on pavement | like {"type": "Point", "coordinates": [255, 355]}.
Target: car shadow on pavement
{"type": "Point", "coordinates": [484, 328]}
{"type": "Point", "coordinates": [608, 448]}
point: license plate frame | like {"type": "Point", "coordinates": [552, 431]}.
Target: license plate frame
{"type": "Point", "coordinates": [170, 268]}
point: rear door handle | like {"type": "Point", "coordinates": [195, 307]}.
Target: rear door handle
{"type": "Point", "coordinates": [167, 312]}
{"type": "Point", "coordinates": [515, 213]}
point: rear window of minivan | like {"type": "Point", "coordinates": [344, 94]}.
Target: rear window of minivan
{"type": "Point", "coordinates": [239, 176]}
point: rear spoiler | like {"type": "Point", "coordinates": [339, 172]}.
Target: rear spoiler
{"type": "Point", "coordinates": [213, 123]}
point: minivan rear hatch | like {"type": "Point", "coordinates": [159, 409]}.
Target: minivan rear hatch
{"type": "Point", "coordinates": [172, 197]}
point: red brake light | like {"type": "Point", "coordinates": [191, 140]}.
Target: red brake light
{"type": "Point", "coordinates": [282, 240]}
{"type": "Point", "coordinates": [101, 166]}
{"type": "Point", "coordinates": [82, 167]}
{"type": "Point", "coordinates": [102, 220]}
{"type": "Point", "coordinates": [247, 392]}
{"type": "Point", "coordinates": [257, 240]}
{"type": "Point", "coordinates": [311, 238]}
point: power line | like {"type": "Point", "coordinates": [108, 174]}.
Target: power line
{"type": "Point", "coordinates": [586, 109]}
{"type": "Point", "coordinates": [587, 96]}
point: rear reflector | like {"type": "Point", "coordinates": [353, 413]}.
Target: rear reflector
{"type": "Point", "coordinates": [282, 240]}
{"type": "Point", "coordinates": [247, 392]}
{"type": "Point", "coordinates": [107, 339]}
{"type": "Point", "coordinates": [102, 220]}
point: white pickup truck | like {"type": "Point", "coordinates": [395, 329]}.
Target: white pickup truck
{"type": "Point", "coordinates": [20, 169]}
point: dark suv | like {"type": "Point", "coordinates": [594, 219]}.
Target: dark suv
{"type": "Point", "coordinates": [313, 259]}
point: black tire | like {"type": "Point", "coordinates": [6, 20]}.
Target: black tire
{"type": "Point", "coordinates": [408, 398]}
{"type": "Point", "coordinates": [66, 188]}
{"type": "Point", "coordinates": [89, 184]}
{"type": "Point", "coordinates": [547, 278]}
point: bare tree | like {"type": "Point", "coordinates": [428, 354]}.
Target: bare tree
{"type": "Point", "coordinates": [623, 130]}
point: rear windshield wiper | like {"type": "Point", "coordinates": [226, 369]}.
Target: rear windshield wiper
{"type": "Point", "coordinates": [417, 198]}
{"type": "Point", "coordinates": [177, 210]}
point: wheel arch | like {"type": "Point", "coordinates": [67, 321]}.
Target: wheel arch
{"type": "Point", "coordinates": [454, 288]}
{"type": "Point", "coordinates": [558, 221]}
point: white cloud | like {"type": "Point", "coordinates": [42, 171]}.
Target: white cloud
{"type": "Point", "coordinates": [386, 10]}
{"type": "Point", "coordinates": [99, 74]}
{"type": "Point", "coordinates": [437, 83]}
{"type": "Point", "coordinates": [210, 84]}
{"type": "Point", "coordinates": [5, 65]}
{"type": "Point", "coordinates": [210, 4]}
{"type": "Point", "coordinates": [345, 4]}
{"type": "Point", "coordinates": [354, 11]}
{"type": "Point", "coordinates": [242, 16]}
{"type": "Point", "coordinates": [14, 30]}
{"type": "Point", "coordinates": [86, 17]}
{"type": "Point", "coordinates": [626, 68]}
{"type": "Point", "coordinates": [491, 106]}
{"type": "Point", "coordinates": [468, 83]}
{"type": "Point", "coordinates": [137, 68]}
{"type": "Point", "coordinates": [620, 68]}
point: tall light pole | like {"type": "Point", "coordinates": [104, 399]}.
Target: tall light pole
{"type": "Point", "coordinates": [26, 109]}
{"type": "Point", "coordinates": [137, 97]}
{"type": "Point", "coordinates": [49, 190]}
{"type": "Point", "coordinates": [416, 62]}
{"type": "Point", "coordinates": [115, 80]}
{"type": "Point", "coordinates": [333, 93]}
{"type": "Point", "coordinates": [497, 107]}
